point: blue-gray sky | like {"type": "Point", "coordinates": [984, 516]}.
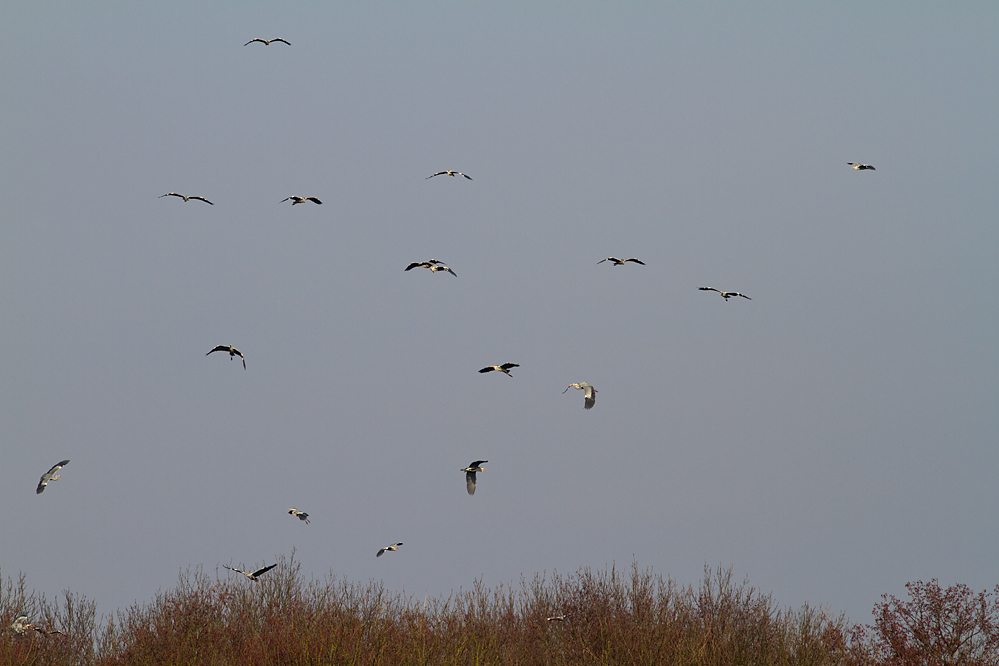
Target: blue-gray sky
{"type": "Point", "coordinates": [831, 439]}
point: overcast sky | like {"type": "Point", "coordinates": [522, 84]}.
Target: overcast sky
{"type": "Point", "coordinates": [832, 439]}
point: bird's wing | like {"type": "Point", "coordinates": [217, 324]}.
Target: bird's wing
{"type": "Point", "coordinates": [283, 41]}
{"type": "Point", "coordinates": [709, 289]}
{"type": "Point", "coordinates": [219, 348]}
{"type": "Point", "coordinates": [488, 368]}
{"type": "Point", "coordinates": [235, 569]}
{"type": "Point", "coordinates": [636, 261]}
{"type": "Point", "coordinates": [871, 168]}
{"type": "Point", "coordinates": [478, 462]}
{"type": "Point", "coordinates": [173, 194]}
{"type": "Point", "coordinates": [470, 482]}
{"type": "Point", "coordinates": [255, 40]}
{"type": "Point", "coordinates": [743, 295]}
{"type": "Point", "coordinates": [507, 366]}
{"type": "Point", "coordinates": [263, 570]}
{"type": "Point", "coordinates": [283, 200]}
{"type": "Point", "coordinates": [415, 264]}
{"type": "Point", "coordinates": [439, 173]}
{"type": "Point", "coordinates": [380, 552]}
{"type": "Point", "coordinates": [59, 465]}
{"type": "Point", "coordinates": [203, 199]}
{"type": "Point", "coordinates": [315, 200]}
{"type": "Point", "coordinates": [589, 397]}
{"type": "Point", "coordinates": [603, 260]}
{"type": "Point", "coordinates": [448, 269]}
{"type": "Point", "coordinates": [41, 485]}
{"type": "Point", "coordinates": [466, 176]}
{"type": "Point", "coordinates": [244, 361]}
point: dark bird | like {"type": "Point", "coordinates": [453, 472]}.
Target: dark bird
{"type": "Point", "coordinates": [252, 576]}
{"type": "Point", "coordinates": [267, 42]}
{"type": "Point", "coordinates": [393, 547]}
{"type": "Point", "coordinates": [470, 474]}
{"type": "Point", "coordinates": [50, 476]}
{"type": "Point", "coordinates": [434, 266]}
{"type": "Point", "coordinates": [505, 368]}
{"type": "Point", "coordinates": [298, 200]}
{"type": "Point", "coordinates": [861, 167]}
{"type": "Point", "coordinates": [232, 352]}
{"type": "Point", "coordinates": [450, 173]}
{"type": "Point", "coordinates": [621, 262]}
{"type": "Point", "coordinates": [301, 515]}
{"type": "Point", "coordinates": [185, 197]}
{"type": "Point", "coordinates": [725, 294]}
{"type": "Point", "coordinates": [589, 393]}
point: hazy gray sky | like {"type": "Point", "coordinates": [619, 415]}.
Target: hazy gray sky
{"type": "Point", "coordinates": [831, 439]}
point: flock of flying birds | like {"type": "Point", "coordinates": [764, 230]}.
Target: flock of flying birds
{"type": "Point", "coordinates": [21, 624]}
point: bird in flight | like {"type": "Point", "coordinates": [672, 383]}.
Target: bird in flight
{"type": "Point", "coordinates": [589, 393]}
{"type": "Point", "coordinates": [450, 173]}
{"type": "Point", "coordinates": [298, 200]}
{"type": "Point", "coordinates": [20, 625]}
{"type": "Point", "coordinates": [505, 368]}
{"type": "Point", "coordinates": [267, 42]}
{"type": "Point", "coordinates": [558, 618]}
{"type": "Point", "coordinates": [861, 167]}
{"type": "Point", "coordinates": [50, 476]}
{"type": "Point", "coordinates": [725, 294]}
{"type": "Point", "coordinates": [301, 515]}
{"type": "Point", "coordinates": [621, 262]}
{"type": "Point", "coordinates": [252, 576]}
{"type": "Point", "coordinates": [232, 352]}
{"type": "Point", "coordinates": [470, 474]}
{"type": "Point", "coordinates": [393, 547]}
{"type": "Point", "coordinates": [185, 197]}
{"type": "Point", "coordinates": [433, 265]}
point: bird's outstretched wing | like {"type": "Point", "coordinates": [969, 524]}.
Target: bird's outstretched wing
{"type": "Point", "coordinates": [172, 194]}
{"type": "Point", "coordinates": [470, 481]}
{"type": "Point", "coordinates": [283, 41]}
{"type": "Point", "coordinates": [735, 293]}
{"type": "Point", "coordinates": [263, 570]}
{"type": "Point", "coordinates": [314, 200]}
{"type": "Point", "coordinates": [49, 475]}
{"type": "Point", "coordinates": [466, 175]}
{"type": "Point", "coordinates": [507, 366]}
{"type": "Point", "coordinates": [235, 569]}
{"type": "Point", "coordinates": [636, 261]}
{"type": "Point", "coordinates": [224, 348]}
{"type": "Point", "coordinates": [488, 368]}
{"type": "Point", "coordinates": [478, 462]}
{"type": "Point", "coordinates": [416, 264]}
{"type": "Point", "coordinates": [439, 173]}
{"type": "Point", "coordinates": [202, 199]}
{"type": "Point", "coordinates": [614, 259]}
{"type": "Point", "coordinates": [709, 289]}
{"type": "Point", "coordinates": [255, 40]}
{"type": "Point", "coordinates": [448, 269]}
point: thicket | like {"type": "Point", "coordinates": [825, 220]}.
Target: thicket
{"type": "Point", "coordinates": [610, 618]}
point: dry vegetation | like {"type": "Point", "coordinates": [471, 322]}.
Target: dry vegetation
{"type": "Point", "coordinates": [635, 618]}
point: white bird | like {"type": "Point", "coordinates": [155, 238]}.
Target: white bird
{"type": "Point", "coordinates": [861, 167]}
{"type": "Point", "coordinates": [232, 352]}
{"type": "Point", "coordinates": [252, 576]}
{"type": "Point", "coordinates": [450, 173]}
{"type": "Point", "coordinates": [558, 618]}
{"type": "Point", "coordinates": [589, 395]}
{"type": "Point", "coordinates": [298, 200]}
{"type": "Point", "coordinates": [301, 515]}
{"type": "Point", "coordinates": [267, 42]}
{"type": "Point", "coordinates": [50, 476]}
{"type": "Point", "coordinates": [725, 294]}
{"type": "Point", "coordinates": [20, 625]}
{"type": "Point", "coordinates": [470, 474]}
{"type": "Point", "coordinates": [505, 368]}
{"type": "Point", "coordinates": [621, 262]}
{"type": "Point", "coordinates": [393, 547]}
{"type": "Point", "coordinates": [433, 265]}
{"type": "Point", "coordinates": [185, 197]}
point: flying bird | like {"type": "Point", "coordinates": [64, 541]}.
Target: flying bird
{"type": "Point", "coordinates": [50, 476]}
{"type": "Point", "coordinates": [861, 167]}
{"type": "Point", "coordinates": [450, 173]}
{"type": "Point", "coordinates": [505, 368]}
{"type": "Point", "coordinates": [558, 618]}
{"type": "Point", "coordinates": [393, 547]}
{"type": "Point", "coordinates": [185, 197]}
{"type": "Point", "coordinates": [433, 265]}
{"type": "Point", "coordinates": [20, 625]}
{"type": "Point", "coordinates": [252, 576]}
{"type": "Point", "coordinates": [589, 395]}
{"type": "Point", "coordinates": [725, 294]}
{"type": "Point", "coordinates": [232, 352]}
{"type": "Point", "coordinates": [470, 474]}
{"type": "Point", "coordinates": [298, 200]}
{"type": "Point", "coordinates": [621, 262]}
{"type": "Point", "coordinates": [301, 515]}
{"type": "Point", "coordinates": [267, 42]}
